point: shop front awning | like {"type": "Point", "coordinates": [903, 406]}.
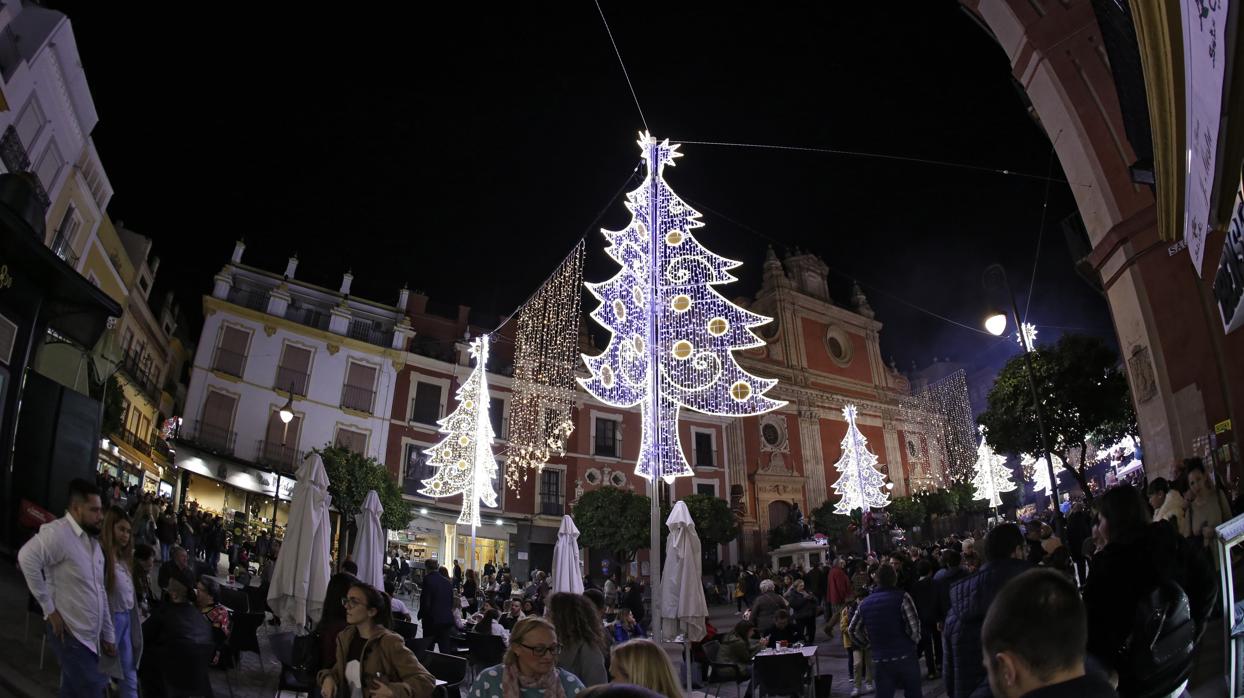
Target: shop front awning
{"type": "Point", "coordinates": [69, 304]}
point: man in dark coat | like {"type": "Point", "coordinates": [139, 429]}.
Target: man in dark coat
{"type": "Point", "coordinates": [435, 609]}
{"type": "Point", "coordinates": [1005, 552]}
{"type": "Point", "coordinates": [1033, 639]}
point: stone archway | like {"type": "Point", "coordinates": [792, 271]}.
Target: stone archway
{"type": "Point", "coordinates": [779, 512]}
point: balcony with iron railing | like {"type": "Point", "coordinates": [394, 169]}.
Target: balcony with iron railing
{"type": "Point", "coordinates": [292, 379]}
{"type": "Point", "coordinates": [139, 443]}
{"type": "Point", "coordinates": [208, 437]}
{"type": "Point", "coordinates": [253, 298]}
{"type": "Point", "coordinates": [356, 397]}
{"type": "Point", "coordinates": [228, 361]}
{"type": "Point", "coordinates": [280, 457]}
{"type": "Point", "coordinates": [140, 374]}
{"type": "Point", "coordinates": [61, 248]}
{"type": "Point", "coordinates": [552, 506]}
{"type": "Point", "coordinates": [370, 331]}
{"type": "Point", "coordinates": [309, 314]}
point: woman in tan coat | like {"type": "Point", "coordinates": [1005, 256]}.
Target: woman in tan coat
{"type": "Point", "coordinates": [370, 657]}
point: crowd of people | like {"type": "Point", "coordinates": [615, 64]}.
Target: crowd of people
{"type": "Point", "coordinates": [1038, 604]}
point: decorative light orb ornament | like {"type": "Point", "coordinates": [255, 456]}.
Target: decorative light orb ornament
{"type": "Point", "coordinates": [464, 460]}
{"type": "Point", "coordinates": [1027, 336]}
{"type": "Point", "coordinates": [671, 343]}
{"type": "Point", "coordinates": [1038, 472]}
{"type": "Point", "coordinates": [861, 486]}
{"type": "Point", "coordinates": [992, 476]}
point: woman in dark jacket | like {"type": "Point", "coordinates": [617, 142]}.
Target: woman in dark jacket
{"type": "Point", "coordinates": [470, 592]}
{"type": "Point", "coordinates": [333, 618]}
{"type": "Point", "coordinates": [803, 609]}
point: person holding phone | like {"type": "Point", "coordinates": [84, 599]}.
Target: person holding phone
{"type": "Point", "coordinates": [372, 660]}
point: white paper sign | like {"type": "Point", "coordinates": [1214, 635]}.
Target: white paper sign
{"type": "Point", "coordinates": [1205, 57]}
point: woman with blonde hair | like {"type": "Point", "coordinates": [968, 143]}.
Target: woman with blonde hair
{"type": "Point", "coordinates": [644, 663]}
{"type": "Point", "coordinates": [117, 541]}
{"type": "Point", "coordinates": [529, 669]}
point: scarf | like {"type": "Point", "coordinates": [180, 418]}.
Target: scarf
{"type": "Point", "coordinates": [513, 683]}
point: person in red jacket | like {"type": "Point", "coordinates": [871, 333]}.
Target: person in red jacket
{"type": "Point", "coordinates": [837, 589]}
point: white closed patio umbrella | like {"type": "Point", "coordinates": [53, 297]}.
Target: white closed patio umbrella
{"type": "Point", "coordinates": [567, 571]}
{"type": "Point", "coordinates": [683, 608]}
{"type": "Point", "coordinates": [369, 544]}
{"type": "Point", "coordinates": [300, 577]}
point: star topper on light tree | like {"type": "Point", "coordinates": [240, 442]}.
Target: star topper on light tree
{"type": "Point", "coordinates": [672, 333]}
{"type": "Point", "coordinates": [464, 459]}
{"type": "Point", "coordinates": [992, 477]}
{"type": "Point", "coordinates": [861, 486]}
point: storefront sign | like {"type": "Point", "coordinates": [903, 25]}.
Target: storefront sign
{"type": "Point", "coordinates": [240, 476]}
{"type": "Point", "coordinates": [1222, 427]}
{"type": "Point", "coordinates": [1229, 281]}
{"type": "Point", "coordinates": [32, 515]}
{"type": "Point", "coordinates": [1205, 58]}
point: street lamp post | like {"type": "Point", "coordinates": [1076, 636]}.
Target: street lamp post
{"type": "Point", "coordinates": [995, 280]}
{"type": "Point", "coordinates": [287, 415]}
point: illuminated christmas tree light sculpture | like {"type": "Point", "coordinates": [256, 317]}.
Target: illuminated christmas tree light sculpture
{"type": "Point", "coordinates": [672, 332]}
{"type": "Point", "coordinates": [861, 486]}
{"type": "Point", "coordinates": [1040, 472]}
{"type": "Point", "coordinates": [464, 460]}
{"type": "Point", "coordinates": [992, 477]}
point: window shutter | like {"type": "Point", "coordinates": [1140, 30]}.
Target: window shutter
{"type": "Point", "coordinates": [361, 376]}
{"type": "Point", "coordinates": [218, 410]}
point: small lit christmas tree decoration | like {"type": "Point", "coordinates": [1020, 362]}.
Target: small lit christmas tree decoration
{"type": "Point", "coordinates": [464, 460]}
{"type": "Point", "coordinates": [672, 332]}
{"type": "Point", "coordinates": [545, 355]}
{"type": "Point", "coordinates": [1026, 336]}
{"type": "Point", "coordinates": [992, 476]}
{"type": "Point", "coordinates": [861, 486]}
{"type": "Point", "coordinates": [1038, 473]}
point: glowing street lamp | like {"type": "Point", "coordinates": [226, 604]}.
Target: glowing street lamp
{"type": "Point", "coordinates": [287, 413]}
{"type": "Point", "coordinates": [996, 285]}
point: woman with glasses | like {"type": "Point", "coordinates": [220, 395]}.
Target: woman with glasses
{"type": "Point", "coordinates": [530, 667]}
{"type": "Point", "coordinates": [371, 659]}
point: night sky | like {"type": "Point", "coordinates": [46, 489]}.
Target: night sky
{"type": "Point", "coordinates": [465, 152]}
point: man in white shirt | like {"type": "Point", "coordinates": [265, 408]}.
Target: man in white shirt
{"type": "Point", "coordinates": [64, 568]}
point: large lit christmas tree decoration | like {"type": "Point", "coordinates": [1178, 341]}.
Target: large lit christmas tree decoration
{"type": "Point", "coordinates": [464, 460]}
{"type": "Point", "coordinates": [1038, 473]}
{"type": "Point", "coordinates": [672, 332]}
{"type": "Point", "coordinates": [861, 485]}
{"type": "Point", "coordinates": [992, 477]}
{"type": "Point", "coordinates": [545, 356]}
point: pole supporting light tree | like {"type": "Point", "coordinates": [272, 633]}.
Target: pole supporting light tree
{"type": "Point", "coordinates": [995, 282]}
{"type": "Point", "coordinates": [672, 332]}
{"type": "Point", "coordinates": [464, 460]}
{"type": "Point", "coordinates": [861, 486]}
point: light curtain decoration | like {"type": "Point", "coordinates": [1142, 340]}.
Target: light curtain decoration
{"type": "Point", "coordinates": [464, 460]}
{"type": "Point", "coordinates": [673, 334]}
{"type": "Point", "coordinates": [545, 356]}
{"type": "Point", "coordinates": [861, 486]}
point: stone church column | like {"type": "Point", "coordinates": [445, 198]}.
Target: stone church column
{"type": "Point", "coordinates": [813, 459]}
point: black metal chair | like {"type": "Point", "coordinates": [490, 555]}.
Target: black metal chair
{"type": "Point", "coordinates": [245, 637]}
{"type": "Point", "coordinates": [446, 667]}
{"type": "Point", "coordinates": [291, 677]}
{"type": "Point", "coordinates": [781, 674]}
{"type": "Point", "coordinates": [406, 629]}
{"type": "Point", "coordinates": [720, 672]}
{"type": "Point", "coordinates": [484, 651]}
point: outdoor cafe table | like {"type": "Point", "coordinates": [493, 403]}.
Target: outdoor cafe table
{"type": "Point", "coordinates": [808, 652]}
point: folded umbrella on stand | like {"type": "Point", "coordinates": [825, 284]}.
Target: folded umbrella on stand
{"type": "Point", "coordinates": [567, 569]}
{"type": "Point", "coordinates": [300, 577]}
{"type": "Point", "coordinates": [683, 608]}
{"type": "Point", "coordinates": [369, 545]}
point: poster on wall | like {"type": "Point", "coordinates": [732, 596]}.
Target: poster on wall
{"type": "Point", "coordinates": [1229, 281]}
{"type": "Point", "coordinates": [1205, 58]}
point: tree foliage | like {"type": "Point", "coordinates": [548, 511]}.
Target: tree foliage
{"type": "Point", "coordinates": [833, 525]}
{"type": "Point", "coordinates": [110, 391]}
{"type": "Point", "coordinates": [906, 512]}
{"type": "Point", "coordinates": [939, 502]}
{"type": "Point", "coordinates": [1084, 398]}
{"type": "Point", "coordinates": [614, 519]}
{"type": "Point", "coordinates": [713, 519]}
{"type": "Point", "coordinates": [351, 476]}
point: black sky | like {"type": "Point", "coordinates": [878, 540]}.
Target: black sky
{"type": "Point", "coordinates": [464, 150]}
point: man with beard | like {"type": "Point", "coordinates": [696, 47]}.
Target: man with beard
{"type": "Point", "coordinates": [64, 568]}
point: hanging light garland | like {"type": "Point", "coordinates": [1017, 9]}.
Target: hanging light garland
{"type": "Point", "coordinates": [545, 356]}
